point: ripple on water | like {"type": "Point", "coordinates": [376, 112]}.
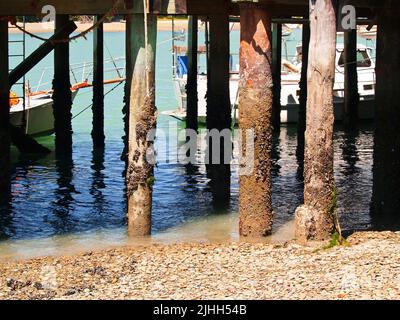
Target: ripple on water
{"type": "Point", "coordinates": [86, 193]}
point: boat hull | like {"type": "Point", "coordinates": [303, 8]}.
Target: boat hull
{"type": "Point", "coordinates": [290, 112]}
{"type": "Point", "coordinates": [39, 117]}
{"type": "Point", "coordinates": [366, 111]}
{"type": "Point", "coordinates": [39, 120]}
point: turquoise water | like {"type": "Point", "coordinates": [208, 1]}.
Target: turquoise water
{"type": "Point", "coordinates": [51, 198]}
{"type": "Point", "coordinates": [84, 197]}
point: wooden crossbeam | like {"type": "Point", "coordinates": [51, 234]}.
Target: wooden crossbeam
{"type": "Point", "coordinates": [278, 8]}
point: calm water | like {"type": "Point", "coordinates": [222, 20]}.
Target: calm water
{"type": "Point", "coordinates": [79, 202]}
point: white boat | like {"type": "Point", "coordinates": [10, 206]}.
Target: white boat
{"type": "Point", "coordinates": [37, 114]}
{"type": "Point", "coordinates": [290, 88]}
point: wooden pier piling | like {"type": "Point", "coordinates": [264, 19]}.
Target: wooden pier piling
{"type": "Point", "coordinates": [315, 219]}
{"type": "Point", "coordinates": [301, 124]}
{"type": "Point", "coordinates": [259, 90]}
{"type": "Point", "coordinates": [276, 71]}
{"type": "Point", "coordinates": [191, 88]}
{"type": "Point", "coordinates": [351, 96]}
{"type": "Point", "coordinates": [255, 113]}
{"type": "Point", "coordinates": [142, 119]}
{"type": "Point", "coordinates": [127, 87]}
{"type": "Point", "coordinates": [386, 170]}
{"type": "Point", "coordinates": [62, 97]}
{"type": "Point", "coordinates": [219, 107]}
{"type": "Point", "coordinates": [4, 109]}
{"type": "Point", "coordinates": [98, 136]}
{"type": "Point", "coordinates": [218, 100]}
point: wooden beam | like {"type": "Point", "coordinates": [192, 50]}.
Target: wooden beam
{"type": "Point", "coordinates": [276, 71]}
{"type": "Point", "coordinates": [40, 53]}
{"type": "Point", "coordinates": [98, 86]}
{"type": "Point", "coordinates": [127, 89]}
{"type": "Point", "coordinates": [170, 7]}
{"type": "Point", "coordinates": [25, 143]}
{"type": "Point", "coordinates": [315, 219]}
{"type": "Point", "coordinates": [218, 99]}
{"type": "Point", "coordinates": [62, 7]}
{"type": "Point", "coordinates": [351, 96]}
{"type": "Point", "coordinates": [142, 119]}
{"type": "Point", "coordinates": [62, 98]}
{"type": "Point", "coordinates": [219, 110]}
{"type": "Point", "coordinates": [91, 7]}
{"type": "Point", "coordinates": [255, 116]}
{"type": "Point", "coordinates": [279, 8]}
{"type": "Point", "coordinates": [301, 124]}
{"type": "Point", "coordinates": [4, 109]}
{"type": "Point", "coordinates": [386, 170]}
{"type": "Point", "coordinates": [192, 94]}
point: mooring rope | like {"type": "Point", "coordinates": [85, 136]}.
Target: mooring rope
{"type": "Point", "coordinates": [91, 105]}
{"type": "Point", "coordinates": [112, 12]}
{"type": "Point", "coordinates": [354, 62]}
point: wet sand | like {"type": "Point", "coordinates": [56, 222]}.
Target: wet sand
{"type": "Point", "coordinates": [367, 269]}
{"type": "Point", "coordinates": [214, 229]}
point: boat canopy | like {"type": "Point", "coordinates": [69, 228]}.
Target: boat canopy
{"type": "Point", "coordinates": [182, 66]}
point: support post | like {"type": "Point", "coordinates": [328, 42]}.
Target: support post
{"type": "Point", "coordinates": [255, 115]}
{"type": "Point", "coordinates": [127, 89]}
{"type": "Point", "coordinates": [191, 89]}
{"type": "Point", "coordinates": [301, 124]}
{"type": "Point", "coordinates": [315, 219]}
{"type": "Point", "coordinates": [351, 97]}
{"type": "Point", "coordinates": [218, 119]}
{"type": "Point", "coordinates": [386, 170]}
{"type": "Point", "coordinates": [142, 120]}
{"type": "Point", "coordinates": [98, 86]}
{"type": "Point", "coordinates": [62, 98]}
{"type": "Point", "coordinates": [218, 100]}
{"type": "Point", "coordinates": [4, 109]}
{"type": "Point", "coordinates": [276, 71]}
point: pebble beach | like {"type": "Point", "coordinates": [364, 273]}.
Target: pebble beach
{"type": "Point", "coordinates": [368, 268]}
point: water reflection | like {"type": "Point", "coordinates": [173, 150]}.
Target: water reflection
{"type": "Point", "coordinates": [63, 205]}
{"type": "Point", "coordinates": [353, 164]}
{"type": "Point", "coordinates": [6, 222]}
{"type": "Point", "coordinates": [350, 152]}
{"type": "Point", "coordinates": [287, 188]}
{"type": "Point", "coordinates": [46, 201]}
{"type": "Point", "coordinates": [219, 175]}
{"type": "Point", "coordinates": [98, 184]}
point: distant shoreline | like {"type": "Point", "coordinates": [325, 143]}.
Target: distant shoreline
{"type": "Point", "coordinates": [162, 25]}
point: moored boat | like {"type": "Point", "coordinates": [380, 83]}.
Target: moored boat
{"type": "Point", "coordinates": [36, 118]}
{"type": "Point", "coordinates": [290, 87]}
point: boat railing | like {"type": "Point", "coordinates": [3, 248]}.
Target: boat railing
{"type": "Point", "coordinates": [82, 72]}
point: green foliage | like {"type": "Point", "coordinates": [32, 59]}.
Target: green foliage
{"type": "Point", "coordinates": [337, 240]}
{"type": "Point", "coordinates": [333, 207]}
{"type": "Point", "coordinates": [150, 181]}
